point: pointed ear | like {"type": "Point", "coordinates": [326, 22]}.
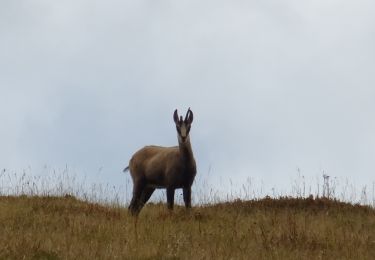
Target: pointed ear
{"type": "Point", "coordinates": [175, 117]}
{"type": "Point", "coordinates": [189, 116]}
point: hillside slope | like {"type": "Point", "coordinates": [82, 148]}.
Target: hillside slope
{"type": "Point", "coordinates": [285, 228]}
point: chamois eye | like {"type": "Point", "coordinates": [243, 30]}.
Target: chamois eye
{"type": "Point", "coordinates": [178, 130]}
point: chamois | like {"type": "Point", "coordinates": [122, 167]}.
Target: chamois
{"type": "Point", "coordinates": [155, 167]}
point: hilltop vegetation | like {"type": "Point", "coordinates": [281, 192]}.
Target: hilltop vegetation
{"type": "Point", "coordinates": [285, 228]}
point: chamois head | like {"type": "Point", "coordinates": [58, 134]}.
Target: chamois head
{"type": "Point", "coordinates": [183, 125]}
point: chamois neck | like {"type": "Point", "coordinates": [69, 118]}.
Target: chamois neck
{"type": "Point", "coordinates": [186, 150]}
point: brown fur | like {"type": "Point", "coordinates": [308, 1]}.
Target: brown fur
{"type": "Point", "coordinates": [171, 168]}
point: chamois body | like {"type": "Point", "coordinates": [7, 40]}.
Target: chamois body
{"type": "Point", "coordinates": [154, 167]}
{"type": "Point", "coordinates": [162, 167]}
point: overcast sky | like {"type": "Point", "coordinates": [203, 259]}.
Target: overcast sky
{"type": "Point", "coordinates": [274, 86]}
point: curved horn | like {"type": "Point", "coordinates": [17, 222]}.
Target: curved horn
{"type": "Point", "coordinates": [187, 114]}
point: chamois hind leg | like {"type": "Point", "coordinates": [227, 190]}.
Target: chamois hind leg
{"type": "Point", "coordinates": [134, 206]}
{"type": "Point", "coordinates": [146, 194]}
{"type": "Point", "coordinates": [187, 197]}
{"type": "Point", "coordinates": [170, 198]}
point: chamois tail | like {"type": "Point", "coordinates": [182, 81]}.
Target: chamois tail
{"type": "Point", "coordinates": [126, 169]}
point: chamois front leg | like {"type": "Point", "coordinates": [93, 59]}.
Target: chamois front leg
{"type": "Point", "coordinates": [187, 197]}
{"type": "Point", "coordinates": [170, 198]}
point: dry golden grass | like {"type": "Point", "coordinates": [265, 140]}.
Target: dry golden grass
{"type": "Point", "coordinates": [285, 228]}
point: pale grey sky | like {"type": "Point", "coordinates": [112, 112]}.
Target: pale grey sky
{"type": "Point", "coordinates": [274, 86]}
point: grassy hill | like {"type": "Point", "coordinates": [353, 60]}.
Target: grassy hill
{"type": "Point", "coordinates": [285, 228]}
